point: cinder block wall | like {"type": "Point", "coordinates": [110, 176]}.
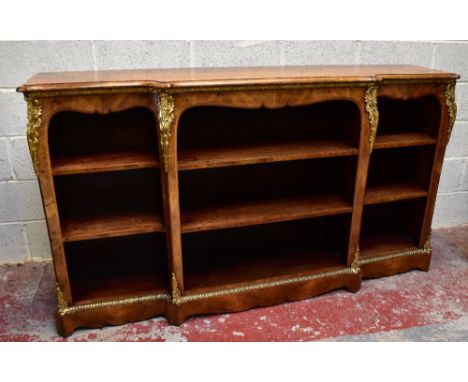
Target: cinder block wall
{"type": "Point", "coordinates": [23, 232]}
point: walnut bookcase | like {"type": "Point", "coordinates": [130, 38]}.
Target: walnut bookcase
{"type": "Point", "coordinates": [192, 191]}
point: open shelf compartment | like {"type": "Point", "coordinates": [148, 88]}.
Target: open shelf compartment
{"type": "Point", "coordinates": [265, 193]}
{"type": "Point", "coordinates": [391, 227]}
{"type": "Point", "coordinates": [413, 122]}
{"type": "Point", "coordinates": [398, 174]}
{"type": "Point", "coordinates": [83, 143]}
{"type": "Point", "coordinates": [109, 204]}
{"type": "Point", "coordinates": [213, 136]}
{"type": "Point", "coordinates": [264, 252]}
{"type": "Point", "coordinates": [120, 267]}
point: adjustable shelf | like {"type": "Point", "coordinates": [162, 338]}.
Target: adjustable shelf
{"type": "Point", "coordinates": [109, 204]}
{"type": "Point", "coordinates": [195, 191]}
{"type": "Point", "coordinates": [398, 174]}
{"type": "Point", "coordinates": [210, 157]}
{"type": "Point", "coordinates": [87, 143]}
{"type": "Point", "coordinates": [238, 214]}
{"type": "Point", "coordinates": [391, 192]}
{"type": "Point", "coordinates": [403, 123]}
{"type": "Point", "coordinates": [265, 193]}
{"type": "Point", "coordinates": [403, 139]}
{"type": "Point", "coordinates": [91, 163]}
{"type": "Point", "coordinates": [110, 225]}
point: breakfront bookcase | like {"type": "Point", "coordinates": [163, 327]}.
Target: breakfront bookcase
{"type": "Point", "coordinates": [193, 191]}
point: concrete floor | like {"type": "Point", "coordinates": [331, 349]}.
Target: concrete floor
{"type": "Point", "coordinates": [415, 306]}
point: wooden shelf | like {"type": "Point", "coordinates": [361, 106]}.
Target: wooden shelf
{"type": "Point", "coordinates": [209, 157]}
{"type": "Point", "coordinates": [403, 139]}
{"type": "Point", "coordinates": [392, 192]}
{"type": "Point", "coordinates": [244, 213]}
{"type": "Point", "coordinates": [382, 243]}
{"type": "Point", "coordinates": [81, 164]}
{"type": "Point", "coordinates": [210, 269]}
{"type": "Point", "coordinates": [112, 225]}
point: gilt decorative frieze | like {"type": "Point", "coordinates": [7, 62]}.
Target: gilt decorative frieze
{"type": "Point", "coordinates": [176, 298]}
{"type": "Point", "coordinates": [65, 309]}
{"type": "Point", "coordinates": [426, 250]}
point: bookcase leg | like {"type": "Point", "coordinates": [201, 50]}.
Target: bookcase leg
{"type": "Point", "coordinates": [424, 263]}
{"type": "Point", "coordinates": [354, 283]}
{"type": "Point", "coordinates": [64, 326]}
{"type": "Point", "coordinates": [174, 316]}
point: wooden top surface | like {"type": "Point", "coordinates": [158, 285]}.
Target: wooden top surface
{"type": "Point", "coordinates": [196, 77]}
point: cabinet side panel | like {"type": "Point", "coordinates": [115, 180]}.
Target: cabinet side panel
{"type": "Point", "coordinates": [361, 176]}
{"type": "Point", "coordinates": [46, 182]}
{"type": "Point", "coordinates": [442, 141]}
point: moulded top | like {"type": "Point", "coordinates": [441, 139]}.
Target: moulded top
{"type": "Point", "coordinates": [202, 77]}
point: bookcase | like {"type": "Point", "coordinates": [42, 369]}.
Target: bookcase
{"type": "Point", "coordinates": [179, 192]}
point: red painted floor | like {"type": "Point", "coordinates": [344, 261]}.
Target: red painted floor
{"type": "Point", "coordinates": [411, 306]}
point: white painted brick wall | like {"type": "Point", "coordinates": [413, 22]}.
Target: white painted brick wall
{"type": "Point", "coordinates": [23, 232]}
